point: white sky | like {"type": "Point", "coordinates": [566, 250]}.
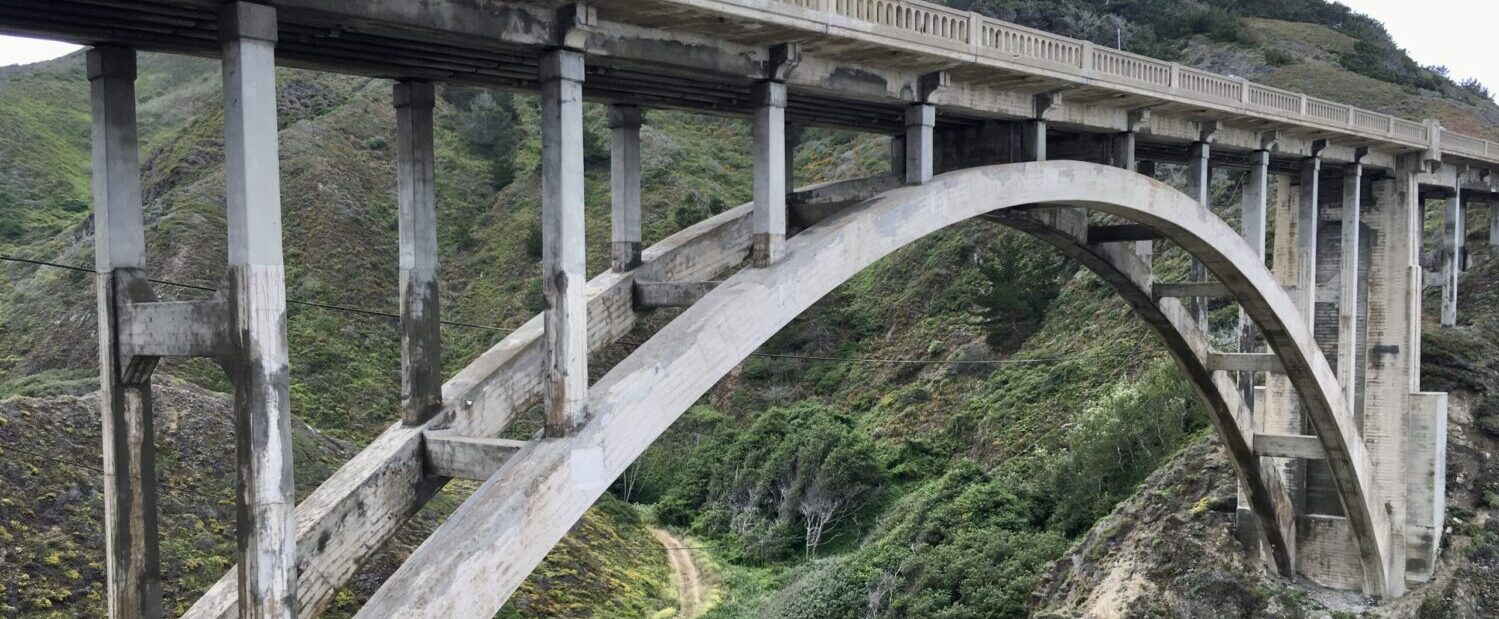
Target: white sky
{"type": "Point", "coordinates": [16, 50]}
{"type": "Point", "coordinates": [1454, 33]}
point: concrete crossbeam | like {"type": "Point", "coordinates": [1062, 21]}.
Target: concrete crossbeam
{"type": "Point", "coordinates": [421, 328]}
{"type": "Point", "coordinates": [1289, 446]}
{"type": "Point", "coordinates": [132, 564]}
{"type": "Point", "coordinates": [654, 295]}
{"type": "Point", "coordinates": [1163, 290]}
{"type": "Point", "coordinates": [466, 457]}
{"type": "Point", "coordinates": [1245, 362]}
{"type": "Point", "coordinates": [624, 186]}
{"type": "Point", "coordinates": [562, 232]}
{"type": "Point", "coordinates": [1121, 233]}
{"type": "Point", "coordinates": [172, 329]}
{"type": "Point", "coordinates": [258, 364]}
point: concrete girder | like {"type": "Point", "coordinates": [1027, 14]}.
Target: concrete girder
{"type": "Point", "coordinates": [476, 559]}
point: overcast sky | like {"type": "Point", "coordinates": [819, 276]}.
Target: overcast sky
{"type": "Point", "coordinates": [1454, 33]}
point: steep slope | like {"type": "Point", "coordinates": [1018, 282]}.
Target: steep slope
{"type": "Point", "coordinates": [1170, 550]}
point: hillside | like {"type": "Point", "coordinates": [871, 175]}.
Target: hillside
{"type": "Point", "coordinates": [1170, 549]}
{"type": "Point", "coordinates": [977, 410]}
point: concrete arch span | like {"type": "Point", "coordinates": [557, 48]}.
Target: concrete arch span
{"type": "Point", "coordinates": [477, 558]}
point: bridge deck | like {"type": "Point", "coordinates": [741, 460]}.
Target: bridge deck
{"type": "Point", "coordinates": [862, 63]}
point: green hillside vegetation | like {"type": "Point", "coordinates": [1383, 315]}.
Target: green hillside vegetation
{"type": "Point", "coordinates": [928, 441]}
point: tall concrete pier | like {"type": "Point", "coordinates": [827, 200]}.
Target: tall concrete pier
{"type": "Point", "coordinates": [1339, 452]}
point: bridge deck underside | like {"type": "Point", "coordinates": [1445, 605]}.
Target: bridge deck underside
{"type": "Point", "coordinates": [498, 45]}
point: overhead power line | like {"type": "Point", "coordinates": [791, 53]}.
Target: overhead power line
{"type": "Point", "coordinates": [806, 357]}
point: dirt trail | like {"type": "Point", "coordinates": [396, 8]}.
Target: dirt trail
{"type": "Point", "coordinates": [691, 592]}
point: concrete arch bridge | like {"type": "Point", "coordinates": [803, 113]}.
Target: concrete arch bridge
{"type": "Point", "coordinates": [1340, 455]}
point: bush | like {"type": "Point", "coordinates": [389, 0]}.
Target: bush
{"type": "Point", "coordinates": [1277, 57]}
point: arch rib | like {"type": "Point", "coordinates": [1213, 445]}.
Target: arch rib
{"type": "Point", "coordinates": [476, 559]}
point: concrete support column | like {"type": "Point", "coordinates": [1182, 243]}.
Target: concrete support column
{"type": "Point", "coordinates": [131, 539]}
{"type": "Point", "coordinates": [1392, 343]}
{"type": "Point", "coordinates": [1280, 412]}
{"type": "Point", "coordinates": [1305, 293]}
{"type": "Point", "coordinates": [421, 336]}
{"type": "Point", "coordinates": [793, 138]}
{"type": "Point", "coordinates": [770, 173]}
{"type": "Point", "coordinates": [624, 186]}
{"type": "Point", "coordinates": [1452, 226]}
{"type": "Point", "coordinates": [1493, 227]}
{"type": "Point", "coordinates": [921, 122]}
{"type": "Point", "coordinates": [1253, 217]}
{"type": "Point", "coordinates": [1146, 249]}
{"type": "Point", "coordinates": [1348, 292]}
{"type": "Point", "coordinates": [257, 364]}
{"type": "Point", "coordinates": [898, 156]}
{"type": "Point", "coordinates": [562, 247]}
{"type": "Point", "coordinates": [1122, 153]}
{"type": "Point", "coordinates": [1199, 179]}
{"type": "Point", "coordinates": [1033, 140]}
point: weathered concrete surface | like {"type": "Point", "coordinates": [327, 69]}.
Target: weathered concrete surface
{"type": "Point", "coordinates": [1288, 446]}
{"type": "Point", "coordinates": [1349, 279]}
{"type": "Point", "coordinates": [421, 329]}
{"type": "Point", "coordinates": [256, 292]}
{"type": "Point", "coordinates": [921, 118]}
{"type": "Point", "coordinates": [464, 457]}
{"type": "Point", "coordinates": [1452, 224]}
{"type": "Point", "coordinates": [653, 295]}
{"type": "Point", "coordinates": [1189, 289]}
{"type": "Point", "coordinates": [1245, 362]}
{"type": "Point", "coordinates": [491, 543]}
{"type": "Point", "coordinates": [132, 564]}
{"type": "Point", "coordinates": [562, 242]}
{"type": "Point", "coordinates": [624, 186]}
{"type": "Point", "coordinates": [352, 514]}
{"type": "Point", "coordinates": [769, 145]}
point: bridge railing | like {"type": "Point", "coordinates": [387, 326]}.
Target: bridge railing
{"type": "Point", "coordinates": [987, 38]}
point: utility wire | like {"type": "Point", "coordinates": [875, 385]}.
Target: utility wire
{"type": "Point", "coordinates": [326, 306]}
{"type": "Point", "coordinates": [868, 360]}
